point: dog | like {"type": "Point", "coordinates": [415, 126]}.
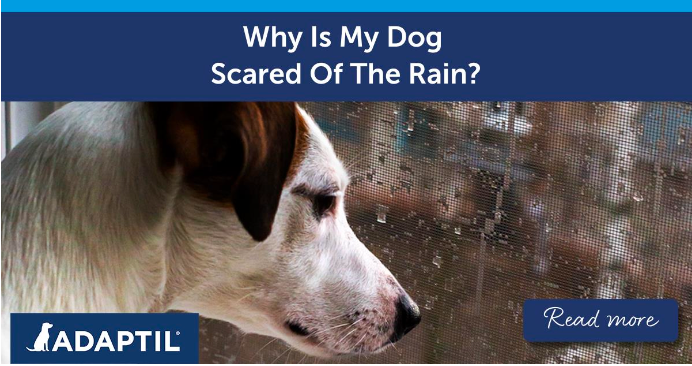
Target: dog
{"type": "Point", "coordinates": [41, 342]}
{"type": "Point", "coordinates": [234, 211]}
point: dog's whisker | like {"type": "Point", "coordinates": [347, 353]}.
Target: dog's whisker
{"type": "Point", "coordinates": [357, 344]}
{"type": "Point", "coordinates": [283, 353]}
{"type": "Point", "coordinates": [330, 328]}
{"type": "Point", "coordinates": [288, 357]}
{"type": "Point", "coordinates": [361, 339]}
{"type": "Point", "coordinates": [340, 333]}
{"type": "Point", "coordinates": [348, 334]}
{"type": "Point", "coordinates": [319, 344]}
{"type": "Point", "coordinates": [263, 347]}
{"type": "Point", "coordinates": [224, 359]}
{"type": "Point", "coordinates": [348, 328]}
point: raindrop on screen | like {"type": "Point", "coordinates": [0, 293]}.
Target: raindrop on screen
{"type": "Point", "coordinates": [382, 214]}
{"type": "Point", "coordinates": [638, 197]}
{"type": "Point", "coordinates": [437, 261]}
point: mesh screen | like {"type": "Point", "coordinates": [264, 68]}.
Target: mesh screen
{"type": "Point", "coordinates": [475, 207]}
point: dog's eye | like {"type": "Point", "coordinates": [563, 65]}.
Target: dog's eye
{"type": "Point", "coordinates": [324, 204]}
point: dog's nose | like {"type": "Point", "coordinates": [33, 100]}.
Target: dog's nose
{"type": "Point", "coordinates": [407, 317]}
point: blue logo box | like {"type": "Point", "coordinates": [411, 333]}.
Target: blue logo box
{"type": "Point", "coordinates": [104, 338]}
{"type": "Point", "coordinates": [600, 320]}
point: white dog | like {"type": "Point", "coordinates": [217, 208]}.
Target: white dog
{"type": "Point", "coordinates": [41, 342]}
{"type": "Point", "coordinates": [231, 210]}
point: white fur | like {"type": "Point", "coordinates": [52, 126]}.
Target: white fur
{"type": "Point", "coordinates": [90, 224]}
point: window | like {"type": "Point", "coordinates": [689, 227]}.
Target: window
{"type": "Point", "coordinates": [19, 118]}
{"type": "Point", "coordinates": [477, 206]}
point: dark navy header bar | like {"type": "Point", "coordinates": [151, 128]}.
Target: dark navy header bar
{"type": "Point", "coordinates": [597, 320]}
{"type": "Point", "coordinates": [416, 56]}
{"type": "Point", "coordinates": [352, 5]}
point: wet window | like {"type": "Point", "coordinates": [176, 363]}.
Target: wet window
{"type": "Point", "coordinates": [475, 207]}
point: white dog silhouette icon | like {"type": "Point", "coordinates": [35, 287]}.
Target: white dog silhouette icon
{"type": "Point", "coordinates": [41, 342]}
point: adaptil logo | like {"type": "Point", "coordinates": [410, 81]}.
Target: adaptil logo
{"type": "Point", "coordinates": [104, 338]}
{"type": "Point", "coordinates": [84, 341]}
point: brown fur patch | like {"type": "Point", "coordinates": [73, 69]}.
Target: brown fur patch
{"type": "Point", "coordinates": [235, 154]}
{"type": "Point", "coordinates": [183, 136]}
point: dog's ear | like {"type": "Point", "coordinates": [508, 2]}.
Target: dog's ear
{"type": "Point", "coordinates": [235, 154]}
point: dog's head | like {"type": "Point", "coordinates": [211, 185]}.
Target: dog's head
{"type": "Point", "coordinates": [260, 236]}
{"type": "Point", "coordinates": [46, 326]}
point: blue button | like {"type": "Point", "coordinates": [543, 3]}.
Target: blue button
{"type": "Point", "coordinates": [600, 320]}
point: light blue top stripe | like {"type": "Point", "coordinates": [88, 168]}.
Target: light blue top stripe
{"type": "Point", "coordinates": [346, 6]}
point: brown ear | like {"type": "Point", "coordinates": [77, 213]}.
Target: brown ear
{"type": "Point", "coordinates": [237, 154]}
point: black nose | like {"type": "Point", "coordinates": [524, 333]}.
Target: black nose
{"type": "Point", "coordinates": [407, 317]}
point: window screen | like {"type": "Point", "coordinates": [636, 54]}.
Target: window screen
{"type": "Point", "coordinates": [477, 206]}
